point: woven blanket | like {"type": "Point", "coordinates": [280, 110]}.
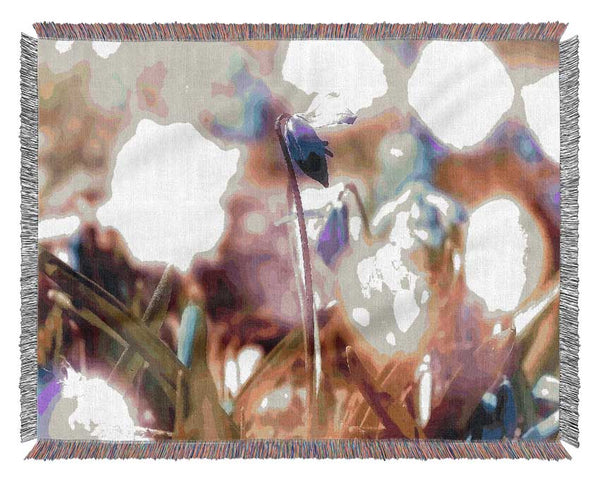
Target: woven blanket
{"type": "Point", "coordinates": [299, 241]}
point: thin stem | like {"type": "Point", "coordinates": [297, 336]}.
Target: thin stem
{"type": "Point", "coordinates": [350, 187]}
{"type": "Point", "coordinates": [309, 328]}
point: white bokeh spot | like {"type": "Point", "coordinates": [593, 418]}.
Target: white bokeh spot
{"type": "Point", "coordinates": [344, 75]}
{"type": "Point", "coordinates": [58, 227]}
{"type": "Point", "coordinates": [502, 250]}
{"type": "Point", "coordinates": [105, 49]}
{"type": "Point", "coordinates": [314, 198]}
{"type": "Point", "coordinates": [166, 190]}
{"type": "Point", "coordinates": [406, 309]}
{"type": "Point", "coordinates": [90, 409]}
{"type": "Point", "coordinates": [361, 316]}
{"type": "Point", "coordinates": [542, 110]}
{"type": "Point", "coordinates": [460, 90]}
{"type": "Point", "coordinates": [63, 46]}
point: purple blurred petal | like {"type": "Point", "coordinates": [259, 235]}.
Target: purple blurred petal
{"type": "Point", "coordinates": [47, 394]}
{"type": "Point", "coordinates": [333, 239]}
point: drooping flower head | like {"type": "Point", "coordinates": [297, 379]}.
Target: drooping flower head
{"type": "Point", "coordinates": [306, 149]}
{"type": "Point", "coordinates": [333, 239]}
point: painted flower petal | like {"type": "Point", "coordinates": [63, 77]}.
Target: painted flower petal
{"type": "Point", "coordinates": [306, 149]}
{"type": "Point", "coordinates": [496, 416]}
{"type": "Point", "coordinates": [507, 409]}
{"type": "Point", "coordinates": [333, 239]}
{"type": "Point", "coordinates": [190, 320]}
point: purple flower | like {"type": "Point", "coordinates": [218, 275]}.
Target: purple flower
{"type": "Point", "coordinates": [334, 236]}
{"type": "Point", "coordinates": [496, 416]}
{"type": "Point", "coordinates": [306, 149]}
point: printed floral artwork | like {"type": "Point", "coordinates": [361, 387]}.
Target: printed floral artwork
{"type": "Point", "coordinates": [298, 239]}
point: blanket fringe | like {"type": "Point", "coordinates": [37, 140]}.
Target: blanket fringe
{"type": "Point", "coordinates": [551, 31]}
{"type": "Point", "coordinates": [378, 449]}
{"type": "Point", "coordinates": [323, 449]}
{"type": "Point", "coordinates": [29, 236]}
{"type": "Point", "coordinates": [569, 207]}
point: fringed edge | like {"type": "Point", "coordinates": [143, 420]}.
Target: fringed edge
{"type": "Point", "coordinates": [381, 449]}
{"type": "Point", "coordinates": [551, 31]}
{"type": "Point", "coordinates": [324, 449]}
{"type": "Point", "coordinates": [569, 222]}
{"type": "Point", "coordinates": [29, 235]}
